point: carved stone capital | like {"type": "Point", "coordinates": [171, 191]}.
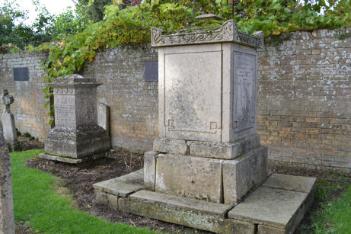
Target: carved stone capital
{"type": "Point", "coordinates": [228, 32]}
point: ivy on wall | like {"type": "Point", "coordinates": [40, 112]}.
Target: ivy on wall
{"type": "Point", "coordinates": [132, 25]}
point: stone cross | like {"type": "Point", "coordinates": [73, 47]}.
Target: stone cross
{"type": "Point", "coordinates": [7, 223]}
{"type": "Point", "coordinates": [7, 100]}
{"type": "Point", "coordinates": [8, 120]}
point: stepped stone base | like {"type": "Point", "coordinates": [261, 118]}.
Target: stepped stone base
{"type": "Point", "coordinates": [71, 160]}
{"type": "Point", "coordinates": [277, 206]}
{"type": "Point", "coordinates": [76, 146]}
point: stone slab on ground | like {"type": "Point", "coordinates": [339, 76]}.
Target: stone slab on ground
{"type": "Point", "coordinates": [278, 205]}
{"type": "Point", "coordinates": [175, 209]}
{"type": "Point", "coordinates": [122, 186]}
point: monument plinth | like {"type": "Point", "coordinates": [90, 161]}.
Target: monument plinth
{"type": "Point", "coordinates": [208, 160]}
{"type": "Point", "coordinates": [76, 136]}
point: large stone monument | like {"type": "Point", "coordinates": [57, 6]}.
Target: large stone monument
{"type": "Point", "coordinates": [8, 120]}
{"type": "Point", "coordinates": [76, 136]}
{"type": "Point", "coordinates": [7, 220]}
{"type": "Point", "coordinates": [208, 169]}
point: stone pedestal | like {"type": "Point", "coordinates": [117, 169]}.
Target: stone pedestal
{"type": "Point", "coordinates": [208, 162]}
{"type": "Point", "coordinates": [7, 220]}
{"type": "Point", "coordinates": [76, 136]}
{"type": "Point", "coordinates": [9, 128]}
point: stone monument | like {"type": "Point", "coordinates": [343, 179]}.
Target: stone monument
{"type": "Point", "coordinates": [208, 169]}
{"type": "Point", "coordinates": [8, 120]}
{"type": "Point", "coordinates": [76, 136]}
{"type": "Point", "coordinates": [7, 220]}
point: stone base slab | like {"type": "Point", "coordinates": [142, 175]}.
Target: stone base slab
{"type": "Point", "coordinates": [209, 179]}
{"type": "Point", "coordinates": [71, 160]}
{"type": "Point", "coordinates": [207, 149]}
{"type": "Point", "coordinates": [276, 207]}
{"type": "Point", "coordinates": [77, 144]}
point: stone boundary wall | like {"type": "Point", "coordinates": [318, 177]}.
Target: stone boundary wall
{"type": "Point", "coordinates": [304, 101]}
{"type": "Point", "coordinates": [29, 107]}
{"type": "Point", "coordinates": [304, 97]}
{"type": "Point", "coordinates": [132, 100]}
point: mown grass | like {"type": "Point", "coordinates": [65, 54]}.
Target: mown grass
{"type": "Point", "coordinates": [46, 211]}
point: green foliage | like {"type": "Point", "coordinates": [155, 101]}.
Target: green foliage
{"type": "Point", "coordinates": [279, 16]}
{"type": "Point", "coordinates": [130, 26]}
{"type": "Point", "coordinates": [38, 203]}
{"type": "Point", "coordinates": [12, 35]}
{"type": "Point", "coordinates": [92, 10]}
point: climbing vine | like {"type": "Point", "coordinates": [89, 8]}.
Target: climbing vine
{"type": "Point", "coordinates": [132, 25]}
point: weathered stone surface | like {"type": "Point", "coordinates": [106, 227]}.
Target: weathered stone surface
{"type": "Point", "coordinates": [121, 186]}
{"type": "Point", "coordinates": [263, 229]}
{"type": "Point", "coordinates": [276, 207]}
{"type": "Point", "coordinates": [223, 150]}
{"type": "Point", "coordinates": [244, 173]}
{"type": "Point", "coordinates": [8, 120]}
{"type": "Point", "coordinates": [77, 144]}
{"type": "Point", "coordinates": [172, 146]}
{"type": "Point", "coordinates": [196, 97]}
{"type": "Point", "coordinates": [150, 170]}
{"type": "Point", "coordinates": [289, 182]}
{"type": "Point", "coordinates": [240, 227]}
{"type": "Point", "coordinates": [228, 32]}
{"type": "Point", "coordinates": [76, 133]}
{"type": "Point", "coordinates": [10, 135]}
{"type": "Point", "coordinates": [189, 176]}
{"type": "Point", "coordinates": [174, 209]}
{"type": "Point", "coordinates": [7, 221]}
{"type": "Point", "coordinates": [103, 117]}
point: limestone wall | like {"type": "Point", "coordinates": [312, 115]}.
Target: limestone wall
{"type": "Point", "coordinates": [30, 113]}
{"type": "Point", "coordinates": [132, 100]}
{"type": "Point", "coordinates": [304, 101]}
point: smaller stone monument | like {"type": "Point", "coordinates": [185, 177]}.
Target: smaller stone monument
{"type": "Point", "coordinates": [7, 221]}
{"type": "Point", "coordinates": [76, 137]}
{"type": "Point", "coordinates": [8, 120]}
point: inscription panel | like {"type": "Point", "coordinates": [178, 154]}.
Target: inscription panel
{"type": "Point", "coordinates": [151, 71]}
{"type": "Point", "coordinates": [244, 91]}
{"type": "Point", "coordinates": [65, 111]}
{"type": "Point", "coordinates": [193, 95]}
{"type": "Point", "coordinates": [21, 73]}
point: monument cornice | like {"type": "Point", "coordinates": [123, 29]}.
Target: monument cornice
{"type": "Point", "coordinates": [227, 32]}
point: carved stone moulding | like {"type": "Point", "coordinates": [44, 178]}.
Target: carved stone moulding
{"type": "Point", "coordinates": [228, 32]}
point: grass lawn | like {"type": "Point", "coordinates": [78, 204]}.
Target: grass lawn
{"type": "Point", "coordinates": [38, 203]}
{"type": "Point", "coordinates": [334, 215]}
